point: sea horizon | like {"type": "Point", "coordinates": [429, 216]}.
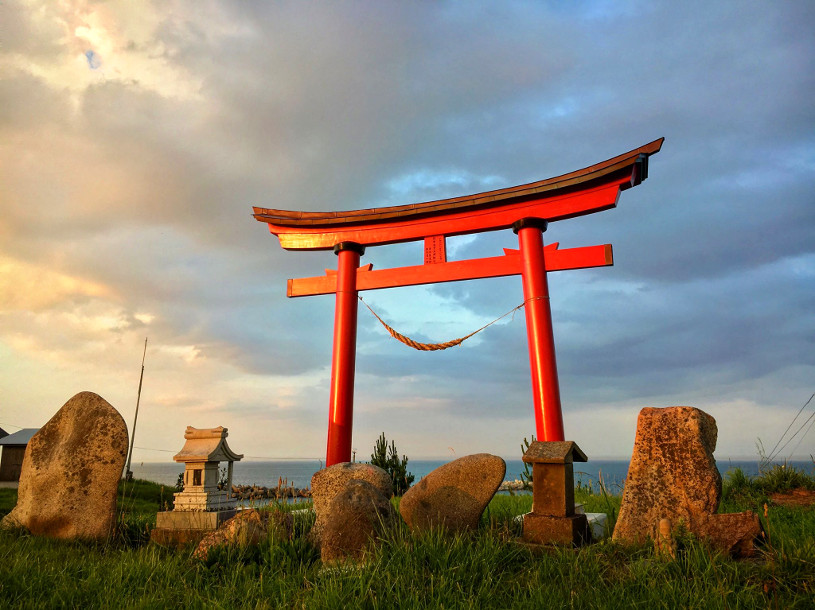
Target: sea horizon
{"type": "Point", "coordinates": [298, 472]}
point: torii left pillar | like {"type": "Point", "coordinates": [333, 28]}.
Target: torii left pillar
{"type": "Point", "coordinates": [341, 401]}
{"type": "Point", "coordinates": [542, 361]}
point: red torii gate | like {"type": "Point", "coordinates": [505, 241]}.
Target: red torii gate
{"type": "Point", "coordinates": [526, 209]}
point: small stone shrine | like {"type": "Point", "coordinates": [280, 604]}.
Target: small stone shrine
{"type": "Point", "coordinates": [201, 455]}
{"type": "Point", "coordinates": [553, 518]}
{"type": "Point", "coordinates": [203, 505]}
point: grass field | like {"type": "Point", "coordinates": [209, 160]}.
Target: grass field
{"type": "Point", "coordinates": [487, 569]}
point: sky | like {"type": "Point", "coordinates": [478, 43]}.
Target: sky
{"type": "Point", "coordinates": [136, 137]}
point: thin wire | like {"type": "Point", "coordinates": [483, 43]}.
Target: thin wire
{"type": "Point", "coordinates": [802, 437]}
{"type": "Point", "coordinates": [793, 436]}
{"type": "Point", "coordinates": [11, 425]}
{"type": "Point", "coordinates": [773, 452]}
{"type": "Point", "coordinates": [252, 457]}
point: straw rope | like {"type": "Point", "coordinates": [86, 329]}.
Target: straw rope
{"type": "Point", "coordinates": [431, 347]}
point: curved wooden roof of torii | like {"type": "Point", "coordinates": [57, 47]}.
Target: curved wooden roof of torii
{"type": "Point", "coordinates": [580, 192]}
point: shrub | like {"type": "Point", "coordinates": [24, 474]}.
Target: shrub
{"type": "Point", "coordinates": [387, 458]}
{"type": "Point", "coordinates": [526, 475]}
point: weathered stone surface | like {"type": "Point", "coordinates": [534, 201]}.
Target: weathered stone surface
{"type": "Point", "coordinates": [327, 483]}
{"type": "Point", "coordinates": [734, 534]}
{"type": "Point", "coordinates": [454, 495]}
{"type": "Point", "coordinates": [672, 474]}
{"type": "Point", "coordinates": [248, 527]}
{"type": "Point", "coordinates": [547, 529]}
{"type": "Point", "coordinates": [353, 521]}
{"type": "Point", "coordinates": [71, 472]}
{"type": "Point", "coordinates": [673, 482]}
{"type": "Point", "coordinates": [180, 528]}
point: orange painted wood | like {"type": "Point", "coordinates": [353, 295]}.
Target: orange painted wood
{"type": "Point", "coordinates": [577, 203]}
{"type": "Point", "coordinates": [435, 249]}
{"type": "Point", "coordinates": [580, 178]}
{"type": "Point", "coordinates": [455, 271]}
{"type": "Point", "coordinates": [584, 191]}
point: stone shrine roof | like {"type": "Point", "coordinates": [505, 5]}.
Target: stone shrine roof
{"type": "Point", "coordinates": [554, 452]}
{"type": "Point", "coordinates": [206, 445]}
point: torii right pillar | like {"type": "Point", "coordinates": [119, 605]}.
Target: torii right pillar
{"type": "Point", "coordinates": [543, 364]}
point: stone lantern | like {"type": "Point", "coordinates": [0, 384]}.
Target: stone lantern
{"type": "Point", "coordinates": [202, 454]}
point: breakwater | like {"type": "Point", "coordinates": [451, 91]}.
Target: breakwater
{"type": "Point", "coordinates": [283, 491]}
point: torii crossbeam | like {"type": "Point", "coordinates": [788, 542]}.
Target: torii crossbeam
{"type": "Point", "coordinates": [526, 209]}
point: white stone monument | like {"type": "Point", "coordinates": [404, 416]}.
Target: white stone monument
{"type": "Point", "coordinates": [202, 506]}
{"type": "Point", "coordinates": [202, 454]}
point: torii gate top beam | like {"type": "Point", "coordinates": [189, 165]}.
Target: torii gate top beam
{"type": "Point", "coordinates": [584, 191]}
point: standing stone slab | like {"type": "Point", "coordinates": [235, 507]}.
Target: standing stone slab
{"type": "Point", "coordinates": [672, 474]}
{"type": "Point", "coordinates": [454, 495]}
{"type": "Point", "coordinates": [331, 481]}
{"type": "Point", "coordinates": [71, 472]}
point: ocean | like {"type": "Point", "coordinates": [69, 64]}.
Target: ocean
{"type": "Point", "coordinates": [299, 472]}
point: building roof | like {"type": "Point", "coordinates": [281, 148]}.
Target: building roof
{"type": "Point", "coordinates": [206, 445]}
{"type": "Point", "coordinates": [19, 438]}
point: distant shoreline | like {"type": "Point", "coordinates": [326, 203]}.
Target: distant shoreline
{"type": "Point", "coordinates": [267, 473]}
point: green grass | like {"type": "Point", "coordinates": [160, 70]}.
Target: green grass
{"type": "Point", "coordinates": [485, 569]}
{"type": "Point", "coordinates": [740, 489]}
{"type": "Point", "coordinates": [8, 500]}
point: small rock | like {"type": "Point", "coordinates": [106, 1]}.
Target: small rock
{"type": "Point", "coordinates": [248, 527]}
{"type": "Point", "coordinates": [71, 472]}
{"type": "Point", "coordinates": [353, 521]}
{"type": "Point", "coordinates": [734, 534]}
{"type": "Point", "coordinates": [327, 483]}
{"type": "Point", "coordinates": [454, 495]}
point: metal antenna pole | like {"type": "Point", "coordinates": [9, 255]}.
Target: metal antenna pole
{"type": "Point", "coordinates": [128, 472]}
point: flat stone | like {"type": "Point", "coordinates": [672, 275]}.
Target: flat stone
{"type": "Point", "coordinates": [327, 483]}
{"type": "Point", "coordinates": [248, 527]}
{"type": "Point", "coordinates": [193, 520]}
{"type": "Point", "coordinates": [454, 495]}
{"type": "Point", "coordinates": [353, 521]}
{"type": "Point", "coordinates": [672, 473]}
{"type": "Point", "coordinates": [734, 534]}
{"type": "Point", "coordinates": [176, 538]}
{"type": "Point", "coordinates": [71, 472]}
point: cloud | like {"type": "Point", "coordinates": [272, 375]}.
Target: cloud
{"type": "Point", "coordinates": [126, 203]}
